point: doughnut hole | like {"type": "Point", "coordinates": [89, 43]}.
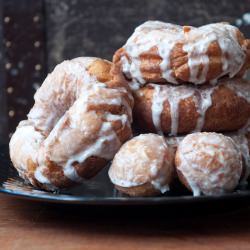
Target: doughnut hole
{"type": "Point", "coordinates": [143, 166]}
{"type": "Point", "coordinates": [208, 163]}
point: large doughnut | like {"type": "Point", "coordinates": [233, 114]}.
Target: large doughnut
{"type": "Point", "coordinates": [159, 52]}
{"type": "Point", "coordinates": [144, 166]}
{"type": "Point", "coordinates": [208, 163]}
{"type": "Point", "coordinates": [173, 110]}
{"type": "Point", "coordinates": [81, 117]}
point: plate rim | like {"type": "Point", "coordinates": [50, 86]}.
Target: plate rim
{"type": "Point", "coordinates": [87, 200]}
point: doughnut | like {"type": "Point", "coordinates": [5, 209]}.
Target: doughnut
{"type": "Point", "coordinates": [173, 110]}
{"type": "Point", "coordinates": [159, 52]}
{"type": "Point", "coordinates": [208, 163]}
{"type": "Point", "coordinates": [144, 166]}
{"type": "Point", "coordinates": [241, 140]}
{"type": "Point", "coordinates": [81, 116]}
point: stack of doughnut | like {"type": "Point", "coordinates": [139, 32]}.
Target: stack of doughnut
{"type": "Point", "coordinates": [185, 91]}
{"type": "Point", "coordinates": [189, 88]}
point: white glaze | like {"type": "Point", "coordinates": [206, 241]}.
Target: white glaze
{"type": "Point", "coordinates": [61, 106]}
{"type": "Point", "coordinates": [136, 164]}
{"type": "Point", "coordinates": [99, 148]}
{"type": "Point", "coordinates": [157, 108]}
{"type": "Point", "coordinates": [240, 141]}
{"type": "Point", "coordinates": [24, 145]}
{"type": "Point", "coordinates": [40, 176]}
{"type": "Point", "coordinates": [204, 148]}
{"type": "Point", "coordinates": [174, 95]}
{"type": "Point", "coordinates": [70, 80]}
{"type": "Point", "coordinates": [201, 96]}
{"type": "Point", "coordinates": [202, 104]}
{"type": "Point", "coordinates": [164, 36]}
{"type": "Point", "coordinates": [122, 118]}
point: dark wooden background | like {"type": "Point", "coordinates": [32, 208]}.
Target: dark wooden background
{"type": "Point", "coordinates": [36, 35]}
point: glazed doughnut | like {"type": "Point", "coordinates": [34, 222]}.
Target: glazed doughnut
{"type": "Point", "coordinates": [144, 166]}
{"type": "Point", "coordinates": [81, 117]}
{"type": "Point", "coordinates": [159, 52]}
{"type": "Point", "coordinates": [208, 163]}
{"type": "Point", "coordinates": [241, 140]}
{"type": "Point", "coordinates": [168, 109]}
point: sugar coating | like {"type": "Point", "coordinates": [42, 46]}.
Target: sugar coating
{"type": "Point", "coordinates": [144, 159]}
{"type": "Point", "coordinates": [210, 163]}
{"type": "Point", "coordinates": [61, 127]}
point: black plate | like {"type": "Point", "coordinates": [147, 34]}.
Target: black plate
{"type": "Point", "coordinates": [98, 191]}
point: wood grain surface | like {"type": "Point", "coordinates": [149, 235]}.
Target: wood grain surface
{"type": "Point", "coordinates": [34, 225]}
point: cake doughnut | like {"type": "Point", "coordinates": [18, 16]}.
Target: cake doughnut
{"type": "Point", "coordinates": [159, 52]}
{"type": "Point", "coordinates": [173, 110]}
{"type": "Point", "coordinates": [144, 166]}
{"type": "Point", "coordinates": [208, 163]}
{"type": "Point", "coordinates": [81, 116]}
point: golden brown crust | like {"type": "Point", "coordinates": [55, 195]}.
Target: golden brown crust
{"type": "Point", "coordinates": [150, 63]}
{"type": "Point", "coordinates": [228, 112]}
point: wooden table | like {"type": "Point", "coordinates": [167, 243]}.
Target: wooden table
{"type": "Point", "coordinates": [35, 225]}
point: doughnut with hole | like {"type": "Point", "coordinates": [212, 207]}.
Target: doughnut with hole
{"type": "Point", "coordinates": [81, 116]}
{"type": "Point", "coordinates": [174, 110]}
{"type": "Point", "coordinates": [159, 52]}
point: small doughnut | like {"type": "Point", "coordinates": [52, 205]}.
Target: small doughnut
{"type": "Point", "coordinates": [159, 52]}
{"type": "Point", "coordinates": [144, 166]}
{"type": "Point", "coordinates": [174, 110]}
{"type": "Point", "coordinates": [81, 116]}
{"type": "Point", "coordinates": [208, 163]}
{"type": "Point", "coordinates": [241, 140]}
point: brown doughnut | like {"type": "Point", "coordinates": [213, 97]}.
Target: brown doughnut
{"type": "Point", "coordinates": [159, 52]}
{"type": "Point", "coordinates": [183, 109]}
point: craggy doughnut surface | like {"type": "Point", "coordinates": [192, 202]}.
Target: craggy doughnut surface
{"type": "Point", "coordinates": [242, 142]}
{"type": "Point", "coordinates": [208, 163]}
{"type": "Point", "coordinates": [81, 116]}
{"type": "Point", "coordinates": [143, 166]}
{"type": "Point", "coordinates": [159, 52]}
{"type": "Point", "coordinates": [183, 109]}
